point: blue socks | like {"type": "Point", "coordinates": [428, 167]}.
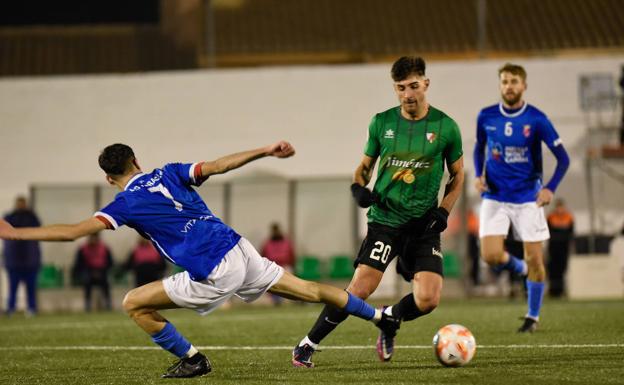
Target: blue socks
{"type": "Point", "coordinates": [171, 340]}
{"type": "Point", "coordinates": [514, 264]}
{"type": "Point", "coordinates": [358, 307]}
{"type": "Point", "coordinates": [535, 291]}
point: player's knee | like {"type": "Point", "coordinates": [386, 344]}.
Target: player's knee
{"type": "Point", "coordinates": [129, 304]}
{"type": "Point", "coordinates": [536, 270]}
{"type": "Point", "coordinates": [535, 262]}
{"type": "Point", "coordinates": [427, 303]}
{"type": "Point", "coordinates": [492, 257]}
{"type": "Point", "coordinates": [360, 290]}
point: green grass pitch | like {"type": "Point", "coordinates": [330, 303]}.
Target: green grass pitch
{"type": "Point", "coordinates": [577, 343]}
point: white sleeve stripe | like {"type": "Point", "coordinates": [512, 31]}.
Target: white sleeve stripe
{"type": "Point", "coordinates": [192, 172]}
{"type": "Point", "coordinates": [108, 218]}
{"type": "Point", "coordinates": [557, 142]}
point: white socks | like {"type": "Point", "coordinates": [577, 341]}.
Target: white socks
{"type": "Point", "coordinates": [306, 340]}
{"type": "Point", "coordinates": [191, 352]}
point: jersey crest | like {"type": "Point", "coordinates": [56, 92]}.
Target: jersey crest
{"type": "Point", "coordinates": [526, 131]}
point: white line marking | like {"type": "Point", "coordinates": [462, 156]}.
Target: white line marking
{"type": "Point", "coordinates": [346, 347]}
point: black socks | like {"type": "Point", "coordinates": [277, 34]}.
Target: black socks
{"type": "Point", "coordinates": [327, 321]}
{"type": "Point", "coordinates": [406, 309]}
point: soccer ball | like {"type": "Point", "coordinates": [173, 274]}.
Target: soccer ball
{"type": "Point", "coordinates": [454, 345]}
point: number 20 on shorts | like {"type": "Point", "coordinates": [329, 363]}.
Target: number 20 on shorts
{"type": "Point", "coordinates": [380, 252]}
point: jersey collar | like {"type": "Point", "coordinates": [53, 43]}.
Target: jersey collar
{"type": "Point", "coordinates": [135, 177]}
{"type": "Point", "coordinates": [513, 115]}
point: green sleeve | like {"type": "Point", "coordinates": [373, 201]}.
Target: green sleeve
{"type": "Point", "coordinates": [372, 145]}
{"type": "Point", "coordinates": [453, 149]}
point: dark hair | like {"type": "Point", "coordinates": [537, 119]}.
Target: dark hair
{"type": "Point", "coordinates": [513, 69]}
{"type": "Point", "coordinates": [116, 159]}
{"type": "Point", "coordinates": [406, 66]}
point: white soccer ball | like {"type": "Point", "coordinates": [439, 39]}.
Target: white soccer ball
{"type": "Point", "coordinates": [454, 345]}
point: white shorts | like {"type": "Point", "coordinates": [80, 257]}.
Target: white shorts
{"type": "Point", "coordinates": [242, 272]}
{"type": "Point", "coordinates": [528, 220]}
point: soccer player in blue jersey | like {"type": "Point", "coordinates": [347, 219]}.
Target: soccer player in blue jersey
{"type": "Point", "coordinates": [163, 207]}
{"type": "Point", "coordinates": [508, 166]}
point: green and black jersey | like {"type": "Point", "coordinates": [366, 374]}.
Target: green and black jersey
{"type": "Point", "coordinates": [411, 162]}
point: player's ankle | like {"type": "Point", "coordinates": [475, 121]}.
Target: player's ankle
{"type": "Point", "coordinates": [191, 352]}
{"type": "Point", "coordinates": [306, 341]}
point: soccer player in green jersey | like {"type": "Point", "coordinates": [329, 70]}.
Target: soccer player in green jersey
{"type": "Point", "coordinates": [412, 141]}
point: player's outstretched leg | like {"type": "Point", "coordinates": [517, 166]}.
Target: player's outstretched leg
{"type": "Point", "coordinates": [326, 322]}
{"type": "Point", "coordinates": [142, 304]}
{"type": "Point", "coordinates": [302, 353]}
{"type": "Point", "coordinates": [364, 282]}
{"type": "Point", "coordinates": [292, 287]}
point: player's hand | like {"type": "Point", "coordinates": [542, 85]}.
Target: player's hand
{"type": "Point", "coordinates": [6, 230]}
{"type": "Point", "coordinates": [544, 197]}
{"type": "Point", "coordinates": [281, 149]}
{"type": "Point", "coordinates": [363, 196]}
{"type": "Point", "coordinates": [480, 184]}
{"type": "Point", "coordinates": [436, 220]}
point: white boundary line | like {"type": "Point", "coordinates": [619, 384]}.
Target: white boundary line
{"type": "Point", "coordinates": [346, 347]}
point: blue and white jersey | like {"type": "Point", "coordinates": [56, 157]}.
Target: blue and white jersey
{"type": "Point", "coordinates": [512, 141]}
{"type": "Point", "coordinates": [163, 207]}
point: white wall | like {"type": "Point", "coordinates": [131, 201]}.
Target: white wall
{"type": "Point", "coordinates": [52, 129]}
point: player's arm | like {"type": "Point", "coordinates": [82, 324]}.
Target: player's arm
{"type": "Point", "coordinates": [281, 149]}
{"type": "Point", "coordinates": [364, 171]}
{"type": "Point", "coordinates": [437, 218]}
{"type": "Point", "coordinates": [453, 188]}
{"type": "Point", "coordinates": [62, 232]}
{"type": "Point", "coordinates": [546, 194]}
{"type": "Point", "coordinates": [552, 140]}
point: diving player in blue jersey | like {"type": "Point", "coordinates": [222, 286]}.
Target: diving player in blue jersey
{"type": "Point", "coordinates": [163, 207]}
{"type": "Point", "coordinates": [508, 167]}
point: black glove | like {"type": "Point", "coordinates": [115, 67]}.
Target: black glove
{"type": "Point", "coordinates": [363, 196]}
{"type": "Point", "coordinates": [436, 220]}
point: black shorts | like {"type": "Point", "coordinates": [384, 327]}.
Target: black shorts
{"type": "Point", "coordinates": [416, 251]}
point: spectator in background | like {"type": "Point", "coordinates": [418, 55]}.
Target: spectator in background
{"type": "Point", "coordinates": [93, 260]}
{"type": "Point", "coordinates": [147, 264]}
{"type": "Point", "coordinates": [22, 259]}
{"type": "Point", "coordinates": [278, 249]}
{"type": "Point", "coordinates": [561, 226]}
